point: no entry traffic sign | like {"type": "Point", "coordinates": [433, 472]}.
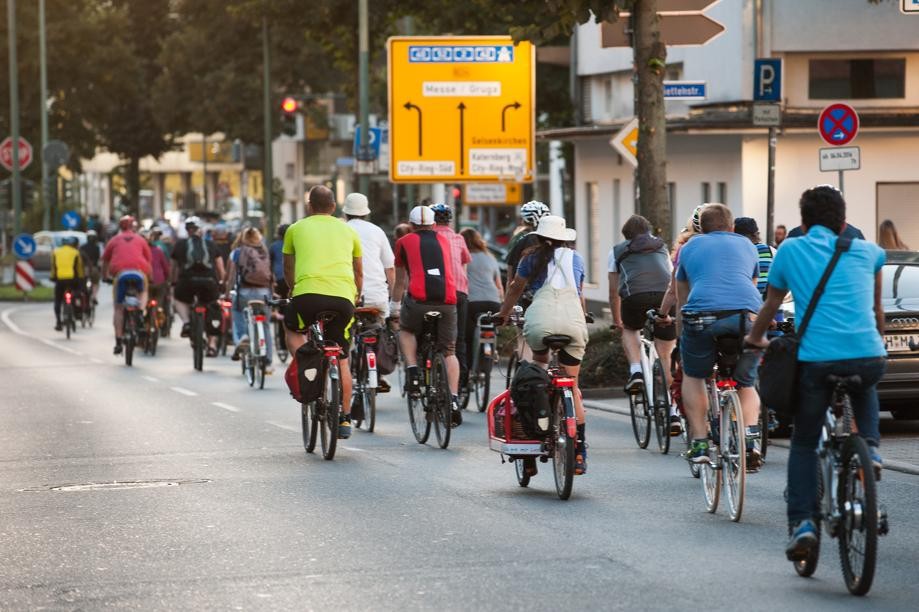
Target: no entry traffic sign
{"type": "Point", "coordinates": [6, 153]}
{"type": "Point", "coordinates": [838, 124]}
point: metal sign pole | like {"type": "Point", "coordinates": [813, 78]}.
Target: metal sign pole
{"type": "Point", "coordinates": [43, 61]}
{"type": "Point", "coordinates": [16, 192]}
{"type": "Point", "coordinates": [770, 189]}
{"type": "Point", "coordinates": [841, 186]}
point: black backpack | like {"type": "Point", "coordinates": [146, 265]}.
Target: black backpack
{"type": "Point", "coordinates": [530, 394]}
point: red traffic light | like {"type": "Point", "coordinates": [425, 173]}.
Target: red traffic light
{"type": "Point", "coordinates": [289, 105]}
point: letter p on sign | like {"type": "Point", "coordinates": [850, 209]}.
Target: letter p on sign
{"type": "Point", "coordinates": [767, 80]}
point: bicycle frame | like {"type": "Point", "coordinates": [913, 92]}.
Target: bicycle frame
{"type": "Point", "coordinates": [484, 340]}
{"type": "Point", "coordinates": [257, 325]}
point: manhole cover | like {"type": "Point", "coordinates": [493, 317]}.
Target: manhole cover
{"type": "Point", "coordinates": [118, 485]}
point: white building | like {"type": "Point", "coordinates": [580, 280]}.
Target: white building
{"type": "Point", "coordinates": [832, 50]}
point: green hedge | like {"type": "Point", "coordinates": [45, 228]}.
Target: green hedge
{"type": "Point", "coordinates": [604, 363]}
{"type": "Point", "coordinates": [9, 293]}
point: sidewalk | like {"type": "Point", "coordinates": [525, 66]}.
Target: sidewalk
{"type": "Point", "coordinates": [899, 447]}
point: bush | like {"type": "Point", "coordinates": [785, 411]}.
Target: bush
{"type": "Point", "coordinates": [604, 362]}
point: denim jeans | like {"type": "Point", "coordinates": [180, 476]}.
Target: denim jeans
{"type": "Point", "coordinates": [814, 395]}
{"type": "Point", "coordinates": [700, 352]}
{"type": "Point", "coordinates": [243, 295]}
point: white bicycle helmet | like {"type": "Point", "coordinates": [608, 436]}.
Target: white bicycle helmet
{"type": "Point", "coordinates": [696, 219]}
{"type": "Point", "coordinates": [532, 212]}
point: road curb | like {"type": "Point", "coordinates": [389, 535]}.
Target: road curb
{"type": "Point", "coordinates": [893, 466]}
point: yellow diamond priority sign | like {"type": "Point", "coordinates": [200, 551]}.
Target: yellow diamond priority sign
{"type": "Point", "coordinates": [626, 141]}
{"type": "Point", "coordinates": [461, 109]}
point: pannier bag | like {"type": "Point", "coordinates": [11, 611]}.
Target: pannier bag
{"type": "Point", "coordinates": [530, 394]}
{"type": "Point", "coordinates": [387, 351]}
{"type": "Point", "coordinates": [303, 374]}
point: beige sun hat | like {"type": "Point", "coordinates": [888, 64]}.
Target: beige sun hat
{"type": "Point", "coordinates": [554, 228]}
{"type": "Point", "coordinates": [356, 205]}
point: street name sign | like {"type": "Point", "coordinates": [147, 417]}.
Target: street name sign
{"type": "Point", "coordinates": [685, 90]}
{"type": "Point", "coordinates": [834, 159]}
{"type": "Point", "coordinates": [626, 141]}
{"type": "Point", "coordinates": [767, 80]}
{"type": "Point", "coordinates": [477, 194]}
{"type": "Point", "coordinates": [24, 246]}
{"type": "Point", "coordinates": [6, 153]}
{"type": "Point", "coordinates": [767, 114]}
{"type": "Point", "coordinates": [909, 7]}
{"type": "Point", "coordinates": [461, 109]}
{"type": "Point", "coordinates": [838, 124]}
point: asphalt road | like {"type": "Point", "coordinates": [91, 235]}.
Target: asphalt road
{"type": "Point", "coordinates": [388, 525]}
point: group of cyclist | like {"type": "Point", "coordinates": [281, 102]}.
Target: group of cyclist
{"type": "Point", "coordinates": [722, 280]}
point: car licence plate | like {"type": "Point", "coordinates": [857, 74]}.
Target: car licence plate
{"type": "Point", "coordinates": [900, 343]}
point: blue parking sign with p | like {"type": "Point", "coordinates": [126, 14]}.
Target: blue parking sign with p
{"type": "Point", "coordinates": [767, 80]}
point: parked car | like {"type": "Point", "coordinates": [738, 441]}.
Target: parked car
{"type": "Point", "coordinates": [46, 242]}
{"type": "Point", "coordinates": [899, 388]}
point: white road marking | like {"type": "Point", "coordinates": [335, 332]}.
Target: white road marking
{"type": "Point", "coordinates": [9, 322]}
{"type": "Point", "coordinates": [225, 406]}
{"type": "Point", "coordinates": [184, 391]}
{"type": "Point", "coordinates": [94, 360]}
{"type": "Point", "coordinates": [151, 379]}
{"type": "Point", "coordinates": [355, 449]}
{"type": "Point", "coordinates": [54, 344]}
{"type": "Point", "coordinates": [283, 426]}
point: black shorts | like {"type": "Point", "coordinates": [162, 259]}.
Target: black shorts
{"type": "Point", "coordinates": [303, 310]}
{"type": "Point", "coordinates": [634, 310]}
{"type": "Point", "coordinates": [204, 287]}
{"type": "Point", "coordinates": [411, 319]}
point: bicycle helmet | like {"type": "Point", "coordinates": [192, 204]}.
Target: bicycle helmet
{"type": "Point", "coordinates": [532, 212]}
{"type": "Point", "coordinates": [192, 221]}
{"type": "Point", "coordinates": [126, 223]}
{"type": "Point", "coordinates": [696, 219]}
{"type": "Point", "coordinates": [442, 213]}
{"type": "Point", "coordinates": [71, 241]}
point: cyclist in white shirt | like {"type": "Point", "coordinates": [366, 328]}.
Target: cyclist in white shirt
{"type": "Point", "coordinates": [379, 262]}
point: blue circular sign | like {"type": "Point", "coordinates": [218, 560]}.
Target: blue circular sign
{"type": "Point", "coordinates": [24, 246]}
{"type": "Point", "coordinates": [71, 219]}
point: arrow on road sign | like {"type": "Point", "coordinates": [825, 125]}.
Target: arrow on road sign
{"type": "Point", "coordinates": [626, 141]}
{"type": "Point", "coordinates": [410, 106]}
{"type": "Point", "coordinates": [462, 110]}
{"type": "Point", "coordinates": [676, 29]}
{"type": "Point", "coordinates": [514, 106]}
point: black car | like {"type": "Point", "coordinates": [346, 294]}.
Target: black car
{"type": "Point", "coordinates": [899, 388]}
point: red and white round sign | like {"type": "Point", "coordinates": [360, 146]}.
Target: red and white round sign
{"type": "Point", "coordinates": [6, 153]}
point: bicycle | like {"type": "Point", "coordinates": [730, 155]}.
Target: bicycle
{"type": "Point", "coordinates": [560, 443]}
{"type": "Point", "coordinates": [254, 359]}
{"type": "Point", "coordinates": [727, 458]}
{"type": "Point", "coordinates": [225, 335]}
{"type": "Point", "coordinates": [197, 333]}
{"type": "Point", "coordinates": [67, 313]}
{"type": "Point", "coordinates": [432, 402]}
{"type": "Point", "coordinates": [151, 327]}
{"type": "Point", "coordinates": [133, 322]}
{"type": "Point", "coordinates": [483, 359]}
{"type": "Point", "coordinates": [847, 493]}
{"type": "Point", "coordinates": [642, 411]}
{"type": "Point", "coordinates": [89, 309]}
{"type": "Point", "coordinates": [319, 417]}
{"type": "Point", "coordinates": [280, 338]}
{"type": "Point", "coordinates": [365, 331]}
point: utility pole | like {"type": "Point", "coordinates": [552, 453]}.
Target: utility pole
{"type": "Point", "coordinates": [268, 170]}
{"type": "Point", "coordinates": [204, 171]}
{"type": "Point", "coordinates": [14, 117]}
{"type": "Point", "coordinates": [43, 60]}
{"type": "Point", "coordinates": [363, 185]}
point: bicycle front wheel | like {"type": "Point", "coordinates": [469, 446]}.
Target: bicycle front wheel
{"type": "Point", "coordinates": [439, 401]}
{"type": "Point", "coordinates": [661, 407]}
{"type": "Point", "coordinates": [523, 478]}
{"type": "Point", "coordinates": [858, 537]}
{"type": "Point", "coordinates": [763, 431]}
{"type": "Point", "coordinates": [563, 455]}
{"type": "Point", "coordinates": [512, 364]}
{"type": "Point", "coordinates": [641, 418]}
{"type": "Point", "coordinates": [733, 453]}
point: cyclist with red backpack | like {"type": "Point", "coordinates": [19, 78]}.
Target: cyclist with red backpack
{"type": "Point", "coordinates": [249, 272]}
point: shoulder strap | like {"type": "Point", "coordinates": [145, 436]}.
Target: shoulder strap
{"type": "Point", "coordinates": [842, 245]}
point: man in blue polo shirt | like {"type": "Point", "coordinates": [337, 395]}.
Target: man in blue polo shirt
{"type": "Point", "coordinates": [716, 294]}
{"type": "Point", "coordinates": [844, 337]}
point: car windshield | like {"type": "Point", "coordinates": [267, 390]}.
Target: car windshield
{"type": "Point", "coordinates": [900, 281]}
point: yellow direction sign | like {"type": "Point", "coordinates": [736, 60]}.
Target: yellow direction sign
{"type": "Point", "coordinates": [461, 109]}
{"type": "Point", "coordinates": [626, 141]}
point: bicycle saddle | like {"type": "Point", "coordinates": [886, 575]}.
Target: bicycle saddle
{"type": "Point", "coordinates": [846, 381]}
{"type": "Point", "coordinates": [367, 310]}
{"type": "Point", "coordinates": [327, 315]}
{"type": "Point", "coordinates": [433, 315]}
{"type": "Point", "coordinates": [730, 348]}
{"type": "Point", "coordinates": [256, 303]}
{"type": "Point", "coordinates": [556, 342]}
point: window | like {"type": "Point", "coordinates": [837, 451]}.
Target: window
{"type": "Point", "coordinates": [290, 171]}
{"type": "Point", "coordinates": [706, 192]}
{"type": "Point", "coordinates": [608, 95]}
{"type": "Point", "coordinates": [593, 231]}
{"type": "Point", "coordinates": [617, 207]}
{"type": "Point", "coordinates": [723, 193]}
{"type": "Point", "coordinates": [857, 79]}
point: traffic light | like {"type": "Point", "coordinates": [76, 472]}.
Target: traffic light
{"type": "Point", "coordinates": [28, 192]}
{"type": "Point", "coordinates": [290, 107]}
{"type": "Point", "coordinates": [6, 194]}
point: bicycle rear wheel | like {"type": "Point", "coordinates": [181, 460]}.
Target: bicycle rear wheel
{"type": "Point", "coordinates": [482, 383]}
{"type": "Point", "coordinates": [733, 453]}
{"type": "Point", "coordinates": [260, 372]}
{"type": "Point", "coordinates": [418, 416]}
{"type": "Point", "coordinates": [440, 401]}
{"type": "Point", "coordinates": [641, 418]}
{"type": "Point", "coordinates": [153, 338]}
{"type": "Point", "coordinates": [197, 340]}
{"type": "Point", "coordinates": [661, 407]}
{"type": "Point", "coordinates": [858, 536]}
{"type": "Point", "coordinates": [249, 368]}
{"type": "Point", "coordinates": [309, 421]}
{"type": "Point", "coordinates": [330, 407]}
{"type": "Point", "coordinates": [563, 454]}
{"type": "Point", "coordinates": [68, 319]}
{"type": "Point", "coordinates": [523, 479]}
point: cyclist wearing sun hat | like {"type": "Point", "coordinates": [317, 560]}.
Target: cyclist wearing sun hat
{"type": "Point", "coordinates": [555, 273]}
{"type": "Point", "coordinates": [378, 259]}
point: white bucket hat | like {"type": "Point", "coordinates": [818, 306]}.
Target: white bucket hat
{"type": "Point", "coordinates": [421, 215]}
{"type": "Point", "coordinates": [356, 205]}
{"type": "Point", "coordinates": [554, 228]}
